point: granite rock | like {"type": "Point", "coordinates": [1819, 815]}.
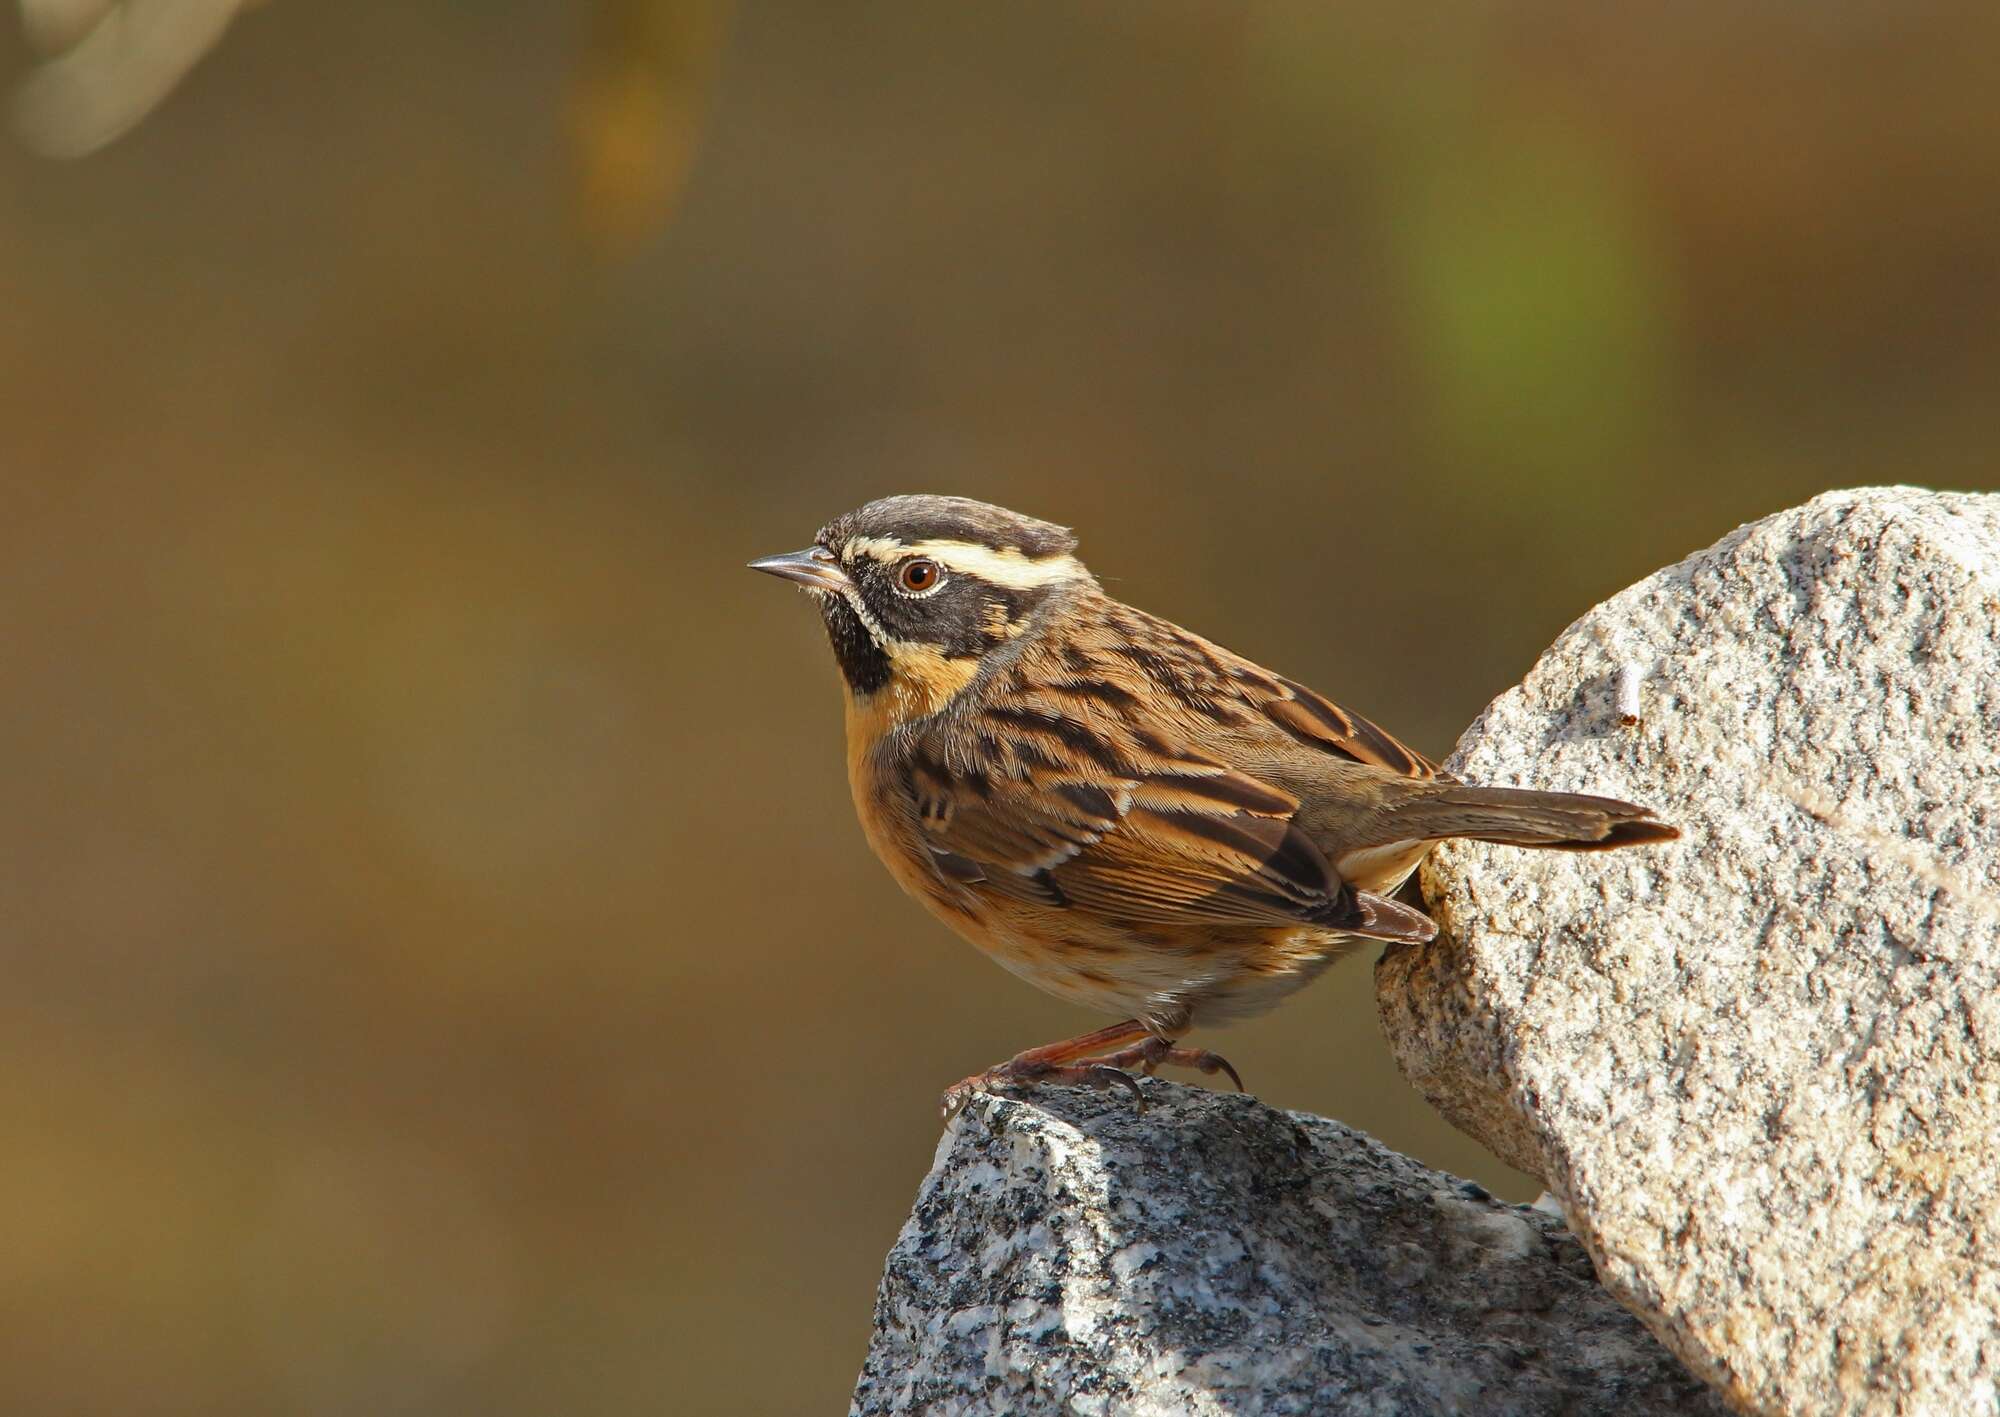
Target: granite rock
{"type": "Point", "coordinates": [1759, 1068]}
{"type": "Point", "coordinates": [1210, 1255]}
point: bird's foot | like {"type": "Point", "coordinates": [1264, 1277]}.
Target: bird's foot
{"type": "Point", "coordinates": [1157, 1052]}
{"type": "Point", "coordinates": [1075, 1062]}
{"type": "Point", "coordinates": [1016, 1072]}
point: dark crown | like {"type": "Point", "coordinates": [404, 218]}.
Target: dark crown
{"type": "Point", "coordinates": [923, 517]}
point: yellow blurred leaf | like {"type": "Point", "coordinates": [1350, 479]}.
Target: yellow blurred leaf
{"type": "Point", "coordinates": [636, 112]}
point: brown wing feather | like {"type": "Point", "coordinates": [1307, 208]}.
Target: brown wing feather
{"type": "Point", "coordinates": [1139, 842]}
{"type": "Point", "coordinates": [1075, 784]}
{"type": "Point", "coordinates": [1214, 693]}
{"type": "Point", "coordinates": [1319, 722]}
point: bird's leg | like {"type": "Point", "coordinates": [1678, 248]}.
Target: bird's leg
{"type": "Point", "coordinates": [1098, 1059]}
{"type": "Point", "coordinates": [1067, 1061]}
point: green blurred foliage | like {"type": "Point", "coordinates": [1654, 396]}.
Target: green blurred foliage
{"type": "Point", "coordinates": [444, 972]}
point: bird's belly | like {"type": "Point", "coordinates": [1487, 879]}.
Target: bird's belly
{"type": "Point", "coordinates": [1172, 979]}
{"type": "Point", "coordinates": [1113, 981]}
{"type": "Point", "coordinates": [1079, 960]}
{"type": "Point", "coordinates": [1277, 966]}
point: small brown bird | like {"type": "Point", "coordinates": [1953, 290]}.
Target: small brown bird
{"type": "Point", "coordinates": [1115, 809]}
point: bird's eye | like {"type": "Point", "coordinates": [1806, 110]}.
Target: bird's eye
{"type": "Point", "coordinates": [918, 576]}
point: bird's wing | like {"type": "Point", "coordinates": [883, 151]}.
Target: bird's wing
{"type": "Point", "coordinates": [1215, 697]}
{"type": "Point", "coordinates": [1322, 725]}
{"type": "Point", "coordinates": [1071, 802]}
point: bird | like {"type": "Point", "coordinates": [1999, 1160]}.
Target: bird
{"type": "Point", "coordinates": [1115, 809]}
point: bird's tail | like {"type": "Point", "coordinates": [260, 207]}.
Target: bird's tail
{"type": "Point", "coordinates": [1564, 821]}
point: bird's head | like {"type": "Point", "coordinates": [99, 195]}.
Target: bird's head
{"type": "Point", "coordinates": [917, 591]}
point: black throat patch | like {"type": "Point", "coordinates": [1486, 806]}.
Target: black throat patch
{"type": "Point", "coordinates": [862, 662]}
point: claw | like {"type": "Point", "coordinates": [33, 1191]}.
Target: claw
{"type": "Point", "coordinates": [1155, 1051]}
{"type": "Point", "coordinates": [1099, 1076]}
{"type": "Point", "coordinates": [1206, 1062]}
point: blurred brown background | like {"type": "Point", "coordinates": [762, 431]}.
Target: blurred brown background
{"type": "Point", "coordinates": [442, 971]}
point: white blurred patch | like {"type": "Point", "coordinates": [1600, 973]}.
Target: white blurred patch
{"type": "Point", "coordinates": [112, 62]}
{"type": "Point", "coordinates": [55, 25]}
{"type": "Point", "coordinates": [1628, 693]}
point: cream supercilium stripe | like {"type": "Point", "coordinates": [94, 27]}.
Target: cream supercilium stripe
{"type": "Point", "coordinates": [1006, 567]}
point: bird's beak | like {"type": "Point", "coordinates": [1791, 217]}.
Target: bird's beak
{"type": "Point", "coordinates": [814, 568]}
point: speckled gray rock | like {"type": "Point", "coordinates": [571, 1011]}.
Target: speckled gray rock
{"type": "Point", "coordinates": [1212, 1255]}
{"type": "Point", "coordinates": [1760, 1067]}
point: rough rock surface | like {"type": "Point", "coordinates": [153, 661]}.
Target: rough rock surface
{"type": "Point", "coordinates": [1212, 1255]}
{"type": "Point", "coordinates": [1760, 1067]}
